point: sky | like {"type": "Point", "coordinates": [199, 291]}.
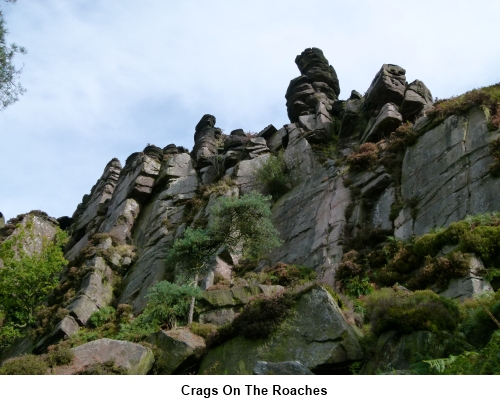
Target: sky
{"type": "Point", "coordinates": [106, 77]}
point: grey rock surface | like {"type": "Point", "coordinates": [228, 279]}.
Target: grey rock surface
{"type": "Point", "coordinates": [417, 99]}
{"type": "Point", "coordinates": [179, 349]}
{"type": "Point", "coordinates": [447, 172]}
{"type": "Point", "coordinates": [317, 336]}
{"type": "Point", "coordinates": [134, 358]}
{"type": "Point", "coordinates": [388, 86]}
{"type": "Point", "coordinates": [471, 285]}
{"type": "Point", "coordinates": [386, 122]}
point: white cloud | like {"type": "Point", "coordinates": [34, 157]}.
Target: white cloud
{"type": "Point", "coordinates": [104, 78]}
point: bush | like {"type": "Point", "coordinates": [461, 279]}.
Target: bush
{"type": "Point", "coordinates": [406, 312]}
{"type": "Point", "coordinates": [483, 362]}
{"type": "Point", "coordinates": [262, 315]}
{"type": "Point", "coordinates": [290, 275]}
{"type": "Point", "coordinates": [259, 318]}
{"type": "Point", "coordinates": [28, 364]}
{"type": "Point", "coordinates": [478, 326]}
{"type": "Point", "coordinates": [365, 158]}
{"type": "Point", "coordinates": [168, 303]}
{"type": "Point", "coordinates": [488, 97]}
{"type": "Point", "coordinates": [245, 222]}
{"type": "Point", "coordinates": [103, 316]}
{"type": "Point", "coordinates": [27, 277]}
{"type": "Point", "coordinates": [202, 329]}
{"type": "Point", "coordinates": [273, 175]}
{"type": "Point", "coordinates": [59, 355]}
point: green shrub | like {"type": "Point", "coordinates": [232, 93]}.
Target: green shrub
{"type": "Point", "coordinates": [483, 362]}
{"type": "Point", "coordinates": [102, 316]}
{"type": "Point", "coordinates": [28, 364]}
{"type": "Point", "coordinates": [273, 175]}
{"type": "Point", "coordinates": [60, 355]}
{"type": "Point", "coordinates": [168, 303]}
{"type": "Point", "coordinates": [356, 286]}
{"type": "Point", "coordinates": [477, 325]}
{"type": "Point", "coordinates": [202, 329]}
{"type": "Point", "coordinates": [406, 312]}
{"type": "Point", "coordinates": [259, 318]}
{"type": "Point", "coordinates": [27, 277]}
{"type": "Point", "coordinates": [289, 275]}
{"type": "Point", "coordinates": [262, 315]}
{"type": "Point", "coordinates": [441, 270]}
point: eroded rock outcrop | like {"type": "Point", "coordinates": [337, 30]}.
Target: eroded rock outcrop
{"type": "Point", "coordinates": [123, 230]}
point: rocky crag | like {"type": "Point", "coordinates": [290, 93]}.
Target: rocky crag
{"type": "Point", "coordinates": [388, 163]}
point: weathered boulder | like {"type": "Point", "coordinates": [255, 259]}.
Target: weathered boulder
{"type": "Point", "coordinates": [245, 174]}
{"type": "Point", "coordinates": [35, 228]}
{"type": "Point", "coordinates": [218, 317]}
{"type": "Point", "coordinates": [417, 98]}
{"type": "Point", "coordinates": [388, 86]}
{"type": "Point", "coordinates": [275, 140]}
{"type": "Point", "coordinates": [283, 368]}
{"type": "Point", "coordinates": [386, 122]}
{"type": "Point", "coordinates": [317, 335]}
{"type": "Point", "coordinates": [318, 83]}
{"type": "Point", "coordinates": [205, 146]}
{"type": "Point", "coordinates": [67, 327]}
{"type": "Point", "coordinates": [468, 286]}
{"type": "Point", "coordinates": [313, 64]}
{"type": "Point", "coordinates": [134, 358]}
{"type": "Point", "coordinates": [179, 349]}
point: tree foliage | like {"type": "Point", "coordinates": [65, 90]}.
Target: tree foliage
{"type": "Point", "coordinates": [27, 277]}
{"type": "Point", "coordinates": [167, 304]}
{"type": "Point", "coordinates": [241, 224]}
{"type": "Point", "coordinates": [10, 88]}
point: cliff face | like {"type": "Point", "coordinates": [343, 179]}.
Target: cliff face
{"type": "Point", "coordinates": [123, 230]}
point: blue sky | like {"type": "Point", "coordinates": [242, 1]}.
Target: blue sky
{"type": "Point", "coordinates": [106, 77]}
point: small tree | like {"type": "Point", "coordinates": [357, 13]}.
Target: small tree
{"type": "Point", "coordinates": [242, 225]}
{"type": "Point", "coordinates": [27, 277]}
{"type": "Point", "coordinates": [10, 89]}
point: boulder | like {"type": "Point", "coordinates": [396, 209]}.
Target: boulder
{"type": "Point", "coordinates": [468, 286]}
{"type": "Point", "coordinates": [179, 349]}
{"type": "Point", "coordinates": [218, 317]}
{"type": "Point", "coordinates": [67, 327]}
{"type": "Point", "coordinates": [388, 86]}
{"type": "Point", "coordinates": [245, 174]}
{"type": "Point", "coordinates": [386, 122]}
{"type": "Point", "coordinates": [417, 99]}
{"type": "Point", "coordinates": [313, 64]}
{"type": "Point", "coordinates": [318, 83]}
{"type": "Point", "coordinates": [82, 309]}
{"type": "Point", "coordinates": [267, 132]}
{"type": "Point", "coordinates": [132, 357]}
{"type": "Point", "coordinates": [205, 146]}
{"type": "Point", "coordinates": [316, 335]}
